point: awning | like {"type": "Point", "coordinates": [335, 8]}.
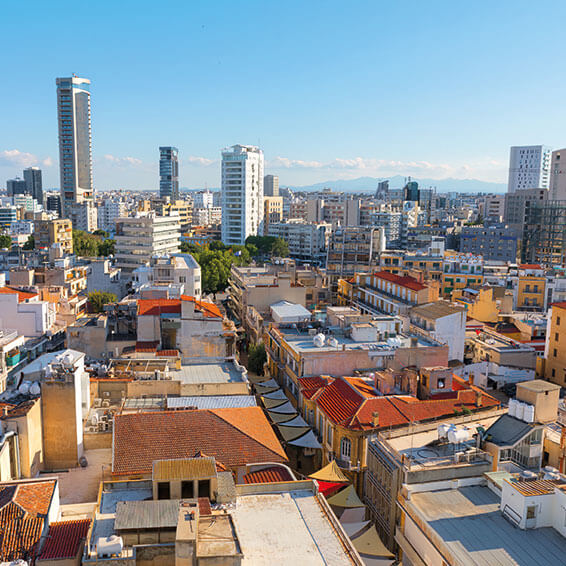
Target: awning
{"type": "Point", "coordinates": [331, 473]}
{"type": "Point", "coordinates": [286, 408]}
{"type": "Point", "coordinates": [277, 394]}
{"type": "Point", "coordinates": [264, 389]}
{"type": "Point", "coordinates": [353, 515]}
{"type": "Point", "coordinates": [328, 488]}
{"type": "Point", "coordinates": [258, 379]}
{"type": "Point", "coordinates": [307, 441]}
{"type": "Point", "coordinates": [369, 544]}
{"type": "Point", "coordinates": [353, 529]}
{"type": "Point", "coordinates": [347, 498]}
{"type": "Point", "coordinates": [297, 421]}
{"type": "Point", "coordinates": [273, 403]}
{"type": "Point", "coordinates": [292, 432]}
{"type": "Point", "coordinates": [281, 417]}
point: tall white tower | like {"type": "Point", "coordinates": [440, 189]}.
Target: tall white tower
{"type": "Point", "coordinates": [529, 167]}
{"type": "Point", "coordinates": [75, 151]}
{"type": "Point", "coordinates": [242, 193]}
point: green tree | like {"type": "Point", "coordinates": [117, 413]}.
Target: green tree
{"type": "Point", "coordinates": [85, 244]}
{"type": "Point", "coordinates": [103, 233]}
{"type": "Point", "coordinates": [262, 243]}
{"type": "Point", "coordinates": [98, 299]}
{"type": "Point", "coordinates": [280, 248]}
{"type": "Point", "coordinates": [106, 248]}
{"type": "Point", "coordinates": [30, 244]}
{"type": "Point", "coordinates": [256, 358]}
{"type": "Point", "coordinates": [5, 241]}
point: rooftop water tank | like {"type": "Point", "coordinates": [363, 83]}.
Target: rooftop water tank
{"type": "Point", "coordinates": [520, 411]}
{"type": "Point", "coordinates": [527, 475]}
{"type": "Point", "coordinates": [513, 407]}
{"type": "Point", "coordinates": [24, 387]}
{"type": "Point", "coordinates": [458, 435]}
{"type": "Point", "coordinates": [107, 546]}
{"type": "Point", "coordinates": [35, 389]}
{"type": "Point", "coordinates": [443, 430]}
{"type": "Point", "coordinates": [319, 340]}
{"type": "Point", "coordinates": [529, 413]}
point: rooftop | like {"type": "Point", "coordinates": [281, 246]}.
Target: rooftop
{"type": "Point", "coordinates": [473, 530]}
{"type": "Point", "coordinates": [64, 539]}
{"type": "Point", "coordinates": [214, 372]}
{"type": "Point", "coordinates": [436, 310]}
{"type": "Point", "coordinates": [273, 526]}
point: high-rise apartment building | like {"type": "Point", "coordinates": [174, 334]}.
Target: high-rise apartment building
{"type": "Point", "coordinates": [34, 186]}
{"type": "Point", "coordinates": [271, 186]}
{"type": "Point", "coordinates": [169, 173]}
{"type": "Point", "coordinates": [529, 167]}
{"type": "Point", "coordinates": [75, 150]}
{"type": "Point", "coordinates": [242, 193]}
{"type": "Point", "coordinates": [558, 175]}
{"type": "Point", "coordinates": [16, 186]}
{"type": "Point", "coordinates": [58, 233]}
{"type": "Point", "coordinates": [53, 204]}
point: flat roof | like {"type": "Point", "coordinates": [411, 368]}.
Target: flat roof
{"type": "Point", "coordinates": [212, 402]}
{"type": "Point", "coordinates": [215, 372]}
{"type": "Point", "coordinates": [538, 385]}
{"type": "Point", "coordinates": [472, 527]}
{"type": "Point", "coordinates": [283, 527]}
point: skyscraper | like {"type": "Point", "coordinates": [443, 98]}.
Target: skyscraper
{"type": "Point", "coordinates": [242, 193]}
{"type": "Point", "coordinates": [16, 186]}
{"type": "Point", "coordinates": [34, 187]}
{"type": "Point", "coordinates": [169, 173]}
{"type": "Point", "coordinates": [75, 152]}
{"type": "Point", "coordinates": [271, 186]}
{"type": "Point", "coordinates": [529, 167]}
{"type": "Point", "coordinates": [558, 175]}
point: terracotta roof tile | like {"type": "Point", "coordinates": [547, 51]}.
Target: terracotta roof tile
{"type": "Point", "coordinates": [530, 266]}
{"type": "Point", "coordinates": [209, 310]}
{"type": "Point", "coordinates": [268, 475]}
{"type": "Point", "coordinates": [64, 539]}
{"type": "Point", "coordinates": [234, 437]}
{"type": "Point", "coordinates": [22, 295]}
{"type": "Point", "coordinates": [155, 307]}
{"type": "Point", "coordinates": [168, 353]}
{"type": "Point", "coordinates": [403, 281]}
{"type": "Point", "coordinates": [146, 346]}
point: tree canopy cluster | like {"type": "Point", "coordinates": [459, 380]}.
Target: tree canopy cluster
{"type": "Point", "coordinates": [267, 246]}
{"type": "Point", "coordinates": [5, 241]}
{"type": "Point", "coordinates": [93, 245]}
{"type": "Point", "coordinates": [98, 299]}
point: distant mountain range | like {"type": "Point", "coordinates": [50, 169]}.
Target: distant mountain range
{"type": "Point", "coordinates": [363, 184]}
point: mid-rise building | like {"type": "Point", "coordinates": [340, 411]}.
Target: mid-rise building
{"type": "Point", "coordinates": [8, 215]}
{"type": "Point", "coordinates": [109, 210]}
{"type": "Point", "coordinates": [58, 233]}
{"type": "Point", "coordinates": [84, 216]}
{"type": "Point", "coordinates": [169, 173]}
{"type": "Point", "coordinates": [75, 152]}
{"type": "Point", "coordinates": [529, 167]}
{"type": "Point", "coordinates": [497, 243]}
{"type": "Point", "coordinates": [242, 193]}
{"type": "Point", "coordinates": [272, 212]}
{"type": "Point", "coordinates": [493, 208]}
{"type": "Point", "coordinates": [34, 186]}
{"type": "Point", "coordinates": [53, 204]}
{"type": "Point", "coordinates": [140, 237]}
{"type": "Point", "coordinates": [308, 241]}
{"type": "Point", "coordinates": [271, 186]}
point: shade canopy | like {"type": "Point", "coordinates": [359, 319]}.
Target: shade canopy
{"type": "Point", "coordinates": [307, 441]}
{"type": "Point", "coordinates": [276, 394]}
{"type": "Point", "coordinates": [330, 473]}
{"type": "Point", "coordinates": [297, 421]}
{"type": "Point", "coordinates": [369, 544]}
{"type": "Point", "coordinates": [328, 488]}
{"type": "Point", "coordinates": [347, 498]}
{"type": "Point", "coordinates": [353, 529]}
{"type": "Point", "coordinates": [281, 417]}
{"type": "Point", "coordinates": [291, 432]}
{"type": "Point", "coordinates": [273, 403]}
{"type": "Point", "coordinates": [284, 408]}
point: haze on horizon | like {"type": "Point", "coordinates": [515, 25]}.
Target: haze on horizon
{"type": "Point", "coordinates": [334, 91]}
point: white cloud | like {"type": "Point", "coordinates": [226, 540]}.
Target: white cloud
{"type": "Point", "coordinates": [17, 158]}
{"type": "Point", "coordinates": [47, 162]}
{"type": "Point", "coordinates": [122, 161]}
{"type": "Point", "coordinates": [195, 160]}
{"type": "Point", "coordinates": [287, 163]}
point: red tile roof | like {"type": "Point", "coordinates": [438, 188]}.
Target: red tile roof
{"type": "Point", "coordinates": [209, 310]}
{"type": "Point", "coordinates": [234, 437]}
{"type": "Point", "coordinates": [146, 346]}
{"type": "Point", "coordinates": [155, 307]}
{"type": "Point", "coordinates": [310, 385]}
{"type": "Point", "coordinates": [403, 281]}
{"type": "Point", "coordinates": [64, 539]}
{"type": "Point", "coordinates": [168, 353]}
{"type": "Point", "coordinates": [268, 475]}
{"type": "Point", "coordinates": [22, 295]}
{"type": "Point", "coordinates": [530, 266]}
{"type": "Point", "coordinates": [23, 509]}
{"type": "Point", "coordinates": [345, 405]}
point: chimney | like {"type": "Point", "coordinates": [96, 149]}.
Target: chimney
{"type": "Point", "coordinates": [375, 419]}
{"type": "Point", "coordinates": [479, 398]}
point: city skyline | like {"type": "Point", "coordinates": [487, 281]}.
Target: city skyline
{"type": "Point", "coordinates": [407, 111]}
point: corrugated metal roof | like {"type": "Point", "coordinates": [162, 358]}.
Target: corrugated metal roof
{"type": "Point", "coordinates": [507, 430]}
{"type": "Point", "coordinates": [184, 468]}
{"type": "Point", "coordinates": [133, 515]}
{"type": "Point", "coordinates": [212, 402]}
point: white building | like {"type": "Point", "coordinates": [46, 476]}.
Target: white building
{"type": "Point", "coordinates": [493, 207]}
{"type": "Point", "coordinates": [307, 241]}
{"type": "Point", "coordinates": [102, 276]}
{"type": "Point", "coordinates": [180, 272]}
{"type": "Point", "coordinates": [140, 237]}
{"type": "Point", "coordinates": [75, 152]}
{"type": "Point", "coordinates": [24, 312]}
{"type": "Point", "coordinates": [109, 210]}
{"type": "Point", "coordinates": [207, 216]}
{"type": "Point", "coordinates": [529, 167]}
{"type": "Point", "coordinates": [203, 199]}
{"type": "Point", "coordinates": [242, 193]}
{"type": "Point", "coordinates": [444, 322]}
{"type": "Point", "coordinates": [84, 216]}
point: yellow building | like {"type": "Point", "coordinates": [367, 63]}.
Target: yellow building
{"type": "Point", "coordinates": [50, 232]}
{"type": "Point", "coordinates": [555, 354]}
{"type": "Point", "coordinates": [272, 211]}
{"type": "Point", "coordinates": [485, 304]}
{"type": "Point", "coordinates": [183, 208]}
{"type": "Point", "coordinates": [531, 287]}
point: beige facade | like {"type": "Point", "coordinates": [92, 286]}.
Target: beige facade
{"type": "Point", "coordinates": [54, 232]}
{"type": "Point", "coordinates": [272, 211]}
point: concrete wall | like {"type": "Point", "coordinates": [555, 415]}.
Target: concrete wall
{"type": "Point", "coordinates": [149, 329]}
{"type": "Point", "coordinates": [30, 439]}
{"type": "Point", "coordinates": [97, 440]}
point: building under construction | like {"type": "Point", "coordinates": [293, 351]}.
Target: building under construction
{"type": "Point", "coordinates": [544, 234]}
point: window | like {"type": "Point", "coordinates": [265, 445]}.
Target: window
{"type": "Point", "coordinates": [554, 352]}
{"type": "Point", "coordinates": [345, 449]}
{"type": "Point", "coordinates": [553, 372]}
{"type": "Point", "coordinates": [204, 488]}
{"type": "Point", "coordinates": [163, 490]}
{"type": "Point", "coordinates": [556, 336]}
{"type": "Point", "coordinates": [531, 512]}
{"type": "Point", "coordinates": [329, 435]}
{"type": "Point", "coordinates": [187, 490]}
{"type": "Point", "coordinates": [557, 321]}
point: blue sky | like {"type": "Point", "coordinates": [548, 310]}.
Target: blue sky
{"type": "Point", "coordinates": [330, 90]}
